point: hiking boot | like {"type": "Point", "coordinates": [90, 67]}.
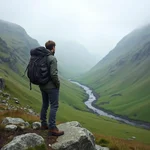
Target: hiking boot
{"type": "Point", "coordinates": [44, 127]}
{"type": "Point", "coordinates": [55, 132]}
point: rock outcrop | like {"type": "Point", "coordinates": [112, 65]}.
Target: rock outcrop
{"type": "Point", "coordinates": [14, 121]}
{"type": "Point", "coordinates": [11, 127]}
{"type": "Point", "coordinates": [75, 138]}
{"type": "Point", "coordinates": [23, 142]}
{"type": "Point", "coordinates": [36, 125]}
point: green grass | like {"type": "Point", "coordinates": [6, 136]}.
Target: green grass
{"type": "Point", "coordinates": [41, 147]}
{"type": "Point", "coordinates": [102, 125]}
{"type": "Point", "coordinates": [125, 71]}
{"type": "Point", "coordinates": [3, 55]}
{"type": "Point", "coordinates": [71, 100]}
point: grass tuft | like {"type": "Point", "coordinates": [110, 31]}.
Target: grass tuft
{"type": "Point", "coordinates": [103, 142]}
{"type": "Point", "coordinates": [18, 114]}
{"type": "Point", "coordinates": [41, 147]}
{"type": "Point", "coordinates": [119, 144]}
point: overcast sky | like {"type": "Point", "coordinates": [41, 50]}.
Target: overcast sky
{"type": "Point", "coordinates": [97, 24]}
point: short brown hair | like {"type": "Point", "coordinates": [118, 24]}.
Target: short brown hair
{"type": "Point", "coordinates": [50, 44]}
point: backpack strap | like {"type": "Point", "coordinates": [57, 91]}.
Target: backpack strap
{"type": "Point", "coordinates": [30, 85]}
{"type": "Point", "coordinates": [25, 70]}
{"type": "Point", "coordinates": [24, 75]}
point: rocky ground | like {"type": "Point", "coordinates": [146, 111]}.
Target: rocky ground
{"type": "Point", "coordinates": [7, 136]}
{"type": "Point", "coordinates": [18, 134]}
{"type": "Point", "coordinates": [12, 105]}
{"type": "Point", "coordinates": [9, 102]}
{"type": "Point", "coordinates": [23, 133]}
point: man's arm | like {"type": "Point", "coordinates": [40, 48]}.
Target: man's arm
{"type": "Point", "coordinates": [54, 72]}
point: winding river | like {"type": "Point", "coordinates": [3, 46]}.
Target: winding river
{"type": "Point", "coordinates": [92, 98]}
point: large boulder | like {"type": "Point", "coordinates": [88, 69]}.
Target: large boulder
{"type": "Point", "coordinates": [75, 138]}
{"type": "Point", "coordinates": [11, 127]}
{"type": "Point", "coordinates": [36, 125]}
{"type": "Point", "coordinates": [15, 121]}
{"type": "Point", "coordinates": [23, 142]}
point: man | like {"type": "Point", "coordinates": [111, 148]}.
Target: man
{"type": "Point", "coordinates": [50, 93]}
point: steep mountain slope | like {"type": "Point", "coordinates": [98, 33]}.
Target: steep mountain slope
{"type": "Point", "coordinates": [15, 46]}
{"type": "Point", "coordinates": [122, 78]}
{"type": "Point", "coordinates": [18, 43]}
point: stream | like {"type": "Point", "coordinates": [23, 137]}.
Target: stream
{"type": "Point", "coordinates": [92, 98]}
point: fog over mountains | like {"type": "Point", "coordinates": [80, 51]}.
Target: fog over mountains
{"type": "Point", "coordinates": [96, 24]}
{"type": "Point", "coordinates": [73, 58]}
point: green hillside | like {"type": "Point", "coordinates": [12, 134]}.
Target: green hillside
{"type": "Point", "coordinates": [15, 46]}
{"type": "Point", "coordinates": [18, 44]}
{"type": "Point", "coordinates": [72, 108]}
{"type": "Point", "coordinates": [71, 96]}
{"type": "Point", "coordinates": [122, 78]}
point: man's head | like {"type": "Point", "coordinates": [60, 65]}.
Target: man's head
{"type": "Point", "coordinates": [50, 45]}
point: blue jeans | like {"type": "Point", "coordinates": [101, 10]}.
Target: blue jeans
{"type": "Point", "coordinates": [49, 98]}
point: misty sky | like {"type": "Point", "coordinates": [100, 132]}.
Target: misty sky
{"type": "Point", "coordinates": [97, 24]}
